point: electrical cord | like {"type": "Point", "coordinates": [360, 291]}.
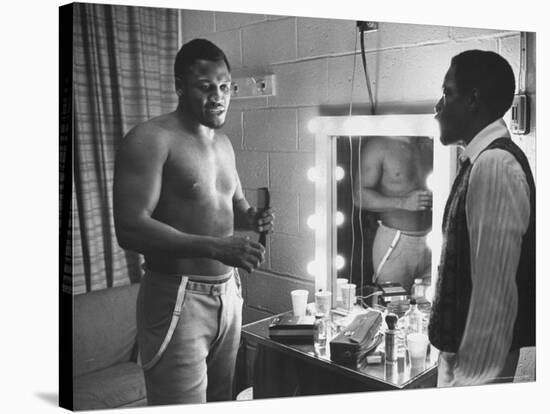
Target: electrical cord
{"type": "Point", "coordinates": [351, 164]}
{"type": "Point", "coordinates": [364, 59]}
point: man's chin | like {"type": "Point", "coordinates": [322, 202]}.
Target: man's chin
{"type": "Point", "coordinates": [214, 123]}
{"type": "Point", "coordinates": [447, 139]}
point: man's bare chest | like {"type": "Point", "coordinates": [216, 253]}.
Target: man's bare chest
{"type": "Point", "coordinates": [407, 165]}
{"type": "Point", "coordinates": [198, 173]}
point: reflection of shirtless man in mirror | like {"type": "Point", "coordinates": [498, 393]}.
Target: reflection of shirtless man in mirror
{"type": "Point", "coordinates": [392, 183]}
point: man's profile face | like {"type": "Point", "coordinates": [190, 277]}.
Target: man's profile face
{"type": "Point", "coordinates": [206, 87]}
{"type": "Point", "coordinates": [451, 111]}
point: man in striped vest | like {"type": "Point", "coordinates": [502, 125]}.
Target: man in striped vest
{"type": "Point", "coordinates": [484, 305]}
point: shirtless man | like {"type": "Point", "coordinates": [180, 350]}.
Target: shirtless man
{"type": "Point", "coordinates": [392, 183]}
{"type": "Point", "coordinates": [177, 200]}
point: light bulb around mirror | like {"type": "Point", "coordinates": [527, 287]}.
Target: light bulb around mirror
{"type": "Point", "coordinates": [430, 181]}
{"type": "Point", "coordinates": [312, 268]}
{"type": "Point", "coordinates": [312, 126]}
{"type": "Point", "coordinates": [339, 262]}
{"type": "Point", "coordinates": [312, 222]}
{"type": "Point", "coordinates": [434, 239]}
{"type": "Point", "coordinates": [339, 173]}
{"type": "Point", "coordinates": [339, 218]}
{"type": "Point", "coordinates": [312, 174]}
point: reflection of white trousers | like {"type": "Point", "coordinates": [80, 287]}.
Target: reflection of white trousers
{"type": "Point", "coordinates": [409, 258]}
{"type": "Point", "coordinates": [188, 337]}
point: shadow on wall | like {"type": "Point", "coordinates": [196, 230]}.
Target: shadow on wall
{"type": "Point", "coordinates": [397, 108]}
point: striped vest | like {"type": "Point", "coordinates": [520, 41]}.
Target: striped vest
{"type": "Point", "coordinates": [454, 285]}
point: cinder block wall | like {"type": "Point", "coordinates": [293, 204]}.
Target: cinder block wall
{"type": "Point", "coordinates": [313, 62]}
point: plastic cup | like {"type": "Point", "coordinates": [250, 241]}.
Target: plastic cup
{"type": "Point", "coordinates": [299, 301]}
{"type": "Point", "coordinates": [339, 283]}
{"type": "Point", "coordinates": [323, 301]}
{"type": "Point", "coordinates": [417, 343]}
{"type": "Point", "coordinates": [348, 295]}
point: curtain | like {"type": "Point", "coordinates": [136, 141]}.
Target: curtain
{"type": "Point", "coordinates": [122, 75]}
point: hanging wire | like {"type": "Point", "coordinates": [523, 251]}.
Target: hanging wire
{"type": "Point", "coordinates": [373, 111]}
{"type": "Point", "coordinates": [364, 59]}
{"type": "Point", "coordinates": [351, 164]}
{"type": "Point", "coordinates": [361, 215]}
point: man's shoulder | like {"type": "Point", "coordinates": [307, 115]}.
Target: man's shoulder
{"type": "Point", "coordinates": [496, 165]}
{"type": "Point", "coordinates": [495, 156]}
{"type": "Point", "coordinates": [376, 146]}
{"type": "Point", "coordinates": [159, 127]}
{"type": "Point", "coordinates": [156, 132]}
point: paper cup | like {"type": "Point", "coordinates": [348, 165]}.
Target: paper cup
{"type": "Point", "coordinates": [339, 283]}
{"type": "Point", "coordinates": [299, 301]}
{"type": "Point", "coordinates": [417, 343]}
{"type": "Point", "coordinates": [323, 301]}
{"type": "Point", "coordinates": [348, 296]}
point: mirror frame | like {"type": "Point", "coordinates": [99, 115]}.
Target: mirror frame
{"type": "Point", "coordinates": [327, 129]}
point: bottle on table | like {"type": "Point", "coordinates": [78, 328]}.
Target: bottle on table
{"type": "Point", "coordinates": [320, 333]}
{"type": "Point", "coordinates": [419, 293]}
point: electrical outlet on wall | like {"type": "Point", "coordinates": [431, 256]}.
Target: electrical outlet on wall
{"type": "Point", "coordinates": [253, 86]}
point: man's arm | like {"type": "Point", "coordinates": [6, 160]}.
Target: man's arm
{"type": "Point", "coordinates": [497, 208]}
{"type": "Point", "coordinates": [368, 178]}
{"type": "Point", "coordinates": [137, 186]}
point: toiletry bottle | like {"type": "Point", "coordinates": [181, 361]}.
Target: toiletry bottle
{"type": "Point", "coordinates": [320, 330]}
{"type": "Point", "coordinates": [414, 319]}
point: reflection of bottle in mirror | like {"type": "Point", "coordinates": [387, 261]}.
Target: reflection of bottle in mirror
{"type": "Point", "coordinates": [401, 344]}
{"type": "Point", "coordinates": [414, 319]}
{"type": "Point", "coordinates": [320, 333]}
{"type": "Point", "coordinates": [418, 290]}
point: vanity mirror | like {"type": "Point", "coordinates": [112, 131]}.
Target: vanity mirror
{"type": "Point", "coordinates": [345, 232]}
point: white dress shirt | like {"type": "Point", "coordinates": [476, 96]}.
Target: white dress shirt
{"type": "Point", "coordinates": [497, 213]}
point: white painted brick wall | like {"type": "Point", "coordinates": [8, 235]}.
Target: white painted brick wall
{"type": "Point", "coordinates": [230, 43]}
{"type": "Point", "coordinates": [226, 21]}
{"type": "Point", "coordinates": [270, 130]}
{"type": "Point", "coordinates": [272, 41]}
{"type": "Point", "coordinates": [306, 206]}
{"type": "Point", "coordinates": [196, 23]}
{"type": "Point", "coordinates": [252, 168]}
{"type": "Point", "coordinates": [271, 293]}
{"type": "Point", "coordinates": [290, 254]}
{"type": "Point", "coordinates": [320, 37]}
{"type": "Point", "coordinates": [393, 35]}
{"type": "Point", "coordinates": [509, 48]}
{"type": "Point", "coordinates": [301, 83]}
{"type": "Point", "coordinates": [287, 219]}
{"type": "Point", "coordinates": [233, 128]}
{"type": "Point", "coordinates": [461, 33]}
{"type": "Point", "coordinates": [288, 172]}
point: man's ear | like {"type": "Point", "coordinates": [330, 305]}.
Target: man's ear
{"type": "Point", "coordinates": [474, 100]}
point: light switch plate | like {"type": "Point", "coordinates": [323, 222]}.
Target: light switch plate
{"type": "Point", "coordinates": [520, 115]}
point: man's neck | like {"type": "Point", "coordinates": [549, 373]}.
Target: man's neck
{"type": "Point", "coordinates": [476, 126]}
